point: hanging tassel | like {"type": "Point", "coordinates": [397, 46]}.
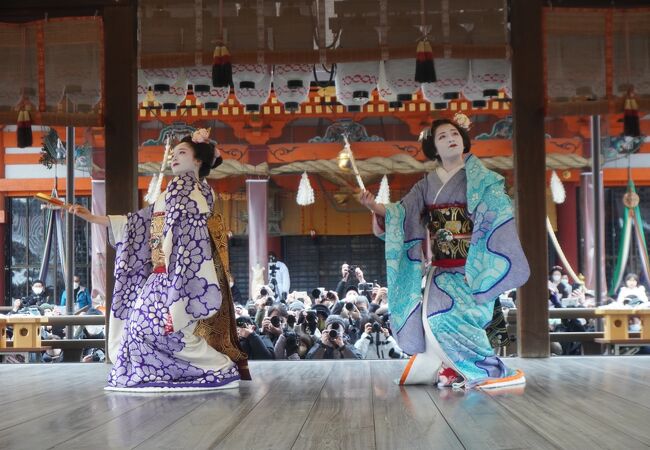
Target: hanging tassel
{"type": "Point", "coordinates": [24, 130]}
{"type": "Point", "coordinates": [631, 126]}
{"type": "Point", "coordinates": [221, 67]}
{"type": "Point", "coordinates": [151, 192]}
{"type": "Point", "coordinates": [383, 196]}
{"type": "Point", "coordinates": [557, 188]}
{"type": "Point", "coordinates": [424, 69]}
{"type": "Point", "coordinates": [305, 191]}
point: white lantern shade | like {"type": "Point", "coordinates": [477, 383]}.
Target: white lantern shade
{"type": "Point", "coordinates": [260, 77]}
{"type": "Point", "coordinates": [400, 78]}
{"type": "Point", "coordinates": [355, 83]}
{"type": "Point", "coordinates": [291, 84]}
{"type": "Point", "coordinates": [490, 75]}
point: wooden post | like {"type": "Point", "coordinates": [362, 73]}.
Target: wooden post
{"type": "Point", "coordinates": [530, 173]}
{"type": "Point", "coordinates": [120, 50]}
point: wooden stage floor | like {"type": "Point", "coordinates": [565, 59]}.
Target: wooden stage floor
{"type": "Point", "coordinates": [569, 402]}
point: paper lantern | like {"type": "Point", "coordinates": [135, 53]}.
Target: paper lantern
{"type": "Point", "coordinates": [400, 78]}
{"type": "Point", "coordinates": [355, 83]}
{"type": "Point", "coordinates": [451, 78]}
{"type": "Point", "coordinates": [291, 84]}
{"type": "Point", "coordinates": [490, 75]}
{"type": "Point", "coordinates": [162, 81]}
{"type": "Point", "coordinates": [210, 97]}
{"type": "Point", "coordinates": [252, 84]}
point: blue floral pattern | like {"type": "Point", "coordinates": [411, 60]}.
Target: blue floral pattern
{"type": "Point", "coordinates": [460, 302]}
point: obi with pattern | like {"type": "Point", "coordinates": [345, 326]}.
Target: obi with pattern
{"type": "Point", "coordinates": [156, 242]}
{"type": "Point", "coordinates": [450, 231]}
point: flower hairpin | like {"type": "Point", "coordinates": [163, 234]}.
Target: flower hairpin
{"type": "Point", "coordinates": [462, 121]}
{"type": "Point", "coordinates": [201, 136]}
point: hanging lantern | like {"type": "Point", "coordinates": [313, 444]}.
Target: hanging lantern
{"type": "Point", "coordinates": [172, 98]}
{"type": "Point", "coordinates": [84, 97]}
{"type": "Point", "coordinates": [210, 97]}
{"type": "Point", "coordinates": [452, 77]}
{"type": "Point", "coordinates": [384, 91]}
{"type": "Point", "coordinates": [252, 84]}
{"type": "Point", "coordinates": [433, 93]}
{"type": "Point", "coordinates": [291, 84]}
{"type": "Point", "coordinates": [490, 75]}
{"type": "Point", "coordinates": [162, 81]}
{"type": "Point", "coordinates": [143, 87]}
{"type": "Point", "coordinates": [355, 83]}
{"type": "Point", "coordinates": [398, 79]}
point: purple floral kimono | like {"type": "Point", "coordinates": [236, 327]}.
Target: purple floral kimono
{"type": "Point", "coordinates": [165, 281]}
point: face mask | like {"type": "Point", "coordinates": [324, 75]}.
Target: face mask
{"type": "Point", "coordinates": [565, 281]}
{"type": "Point", "coordinates": [75, 285]}
{"type": "Point", "coordinates": [37, 291]}
{"type": "Point", "coordinates": [556, 278]}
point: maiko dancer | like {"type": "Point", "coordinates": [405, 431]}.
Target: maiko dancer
{"type": "Point", "coordinates": [462, 213]}
{"type": "Point", "coordinates": [172, 307]}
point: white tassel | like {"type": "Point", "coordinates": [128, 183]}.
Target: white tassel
{"type": "Point", "coordinates": [557, 188]}
{"type": "Point", "coordinates": [383, 196]}
{"type": "Point", "coordinates": [149, 198]}
{"type": "Point", "coordinates": [156, 181]}
{"type": "Point", "coordinates": [305, 192]}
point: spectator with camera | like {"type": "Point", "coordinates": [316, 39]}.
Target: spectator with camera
{"type": "Point", "coordinates": [274, 322]}
{"type": "Point", "coordinates": [347, 279]}
{"type": "Point", "coordinates": [254, 344]}
{"type": "Point", "coordinates": [377, 343]}
{"type": "Point", "coordinates": [333, 343]}
{"type": "Point", "coordinates": [288, 345]}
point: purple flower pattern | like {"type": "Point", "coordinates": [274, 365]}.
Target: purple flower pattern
{"type": "Point", "coordinates": [147, 357]}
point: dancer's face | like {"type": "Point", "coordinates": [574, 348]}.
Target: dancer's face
{"type": "Point", "coordinates": [448, 142]}
{"type": "Point", "coordinates": [183, 160]}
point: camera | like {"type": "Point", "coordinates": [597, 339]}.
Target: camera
{"type": "Point", "coordinates": [365, 287]}
{"type": "Point", "coordinates": [311, 316]}
{"type": "Point", "coordinates": [333, 334]}
{"type": "Point", "coordinates": [291, 321]}
{"type": "Point", "coordinates": [268, 302]}
{"type": "Point", "coordinates": [317, 292]}
{"type": "Point", "coordinates": [241, 322]}
{"type": "Point", "coordinates": [376, 328]}
{"type": "Point", "coordinates": [291, 342]}
{"type": "Point", "coordinates": [264, 292]}
{"type": "Point", "coordinates": [275, 321]}
{"type": "Point", "coordinates": [349, 306]}
{"type": "Point", "coordinates": [330, 295]}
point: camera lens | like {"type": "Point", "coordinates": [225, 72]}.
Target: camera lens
{"type": "Point", "coordinates": [291, 321]}
{"type": "Point", "coordinates": [269, 302]}
{"type": "Point", "coordinates": [315, 293]}
{"type": "Point", "coordinates": [335, 326]}
{"type": "Point", "coordinates": [349, 306]}
{"type": "Point", "coordinates": [333, 334]}
{"type": "Point", "coordinates": [263, 291]}
{"type": "Point", "coordinates": [376, 328]}
{"type": "Point", "coordinates": [275, 321]}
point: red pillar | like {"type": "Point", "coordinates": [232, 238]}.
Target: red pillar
{"type": "Point", "coordinates": [567, 225]}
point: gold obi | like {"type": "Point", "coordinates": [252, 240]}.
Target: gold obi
{"type": "Point", "coordinates": [156, 242]}
{"type": "Point", "coordinates": [450, 233]}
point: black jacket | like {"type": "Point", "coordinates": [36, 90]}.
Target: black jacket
{"type": "Point", "coordinates": [257, 346]}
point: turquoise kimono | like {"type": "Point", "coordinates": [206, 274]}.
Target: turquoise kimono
{"type": "Point", "coordinates": [460, 300]}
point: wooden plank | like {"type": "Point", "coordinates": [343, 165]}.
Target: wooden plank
{"type": "Point", "coordinates": [405, 417]}
{"type": "Point", "coordinates": [292, 392]}
{"type": "Point", "coordinates": [569, 412]}
{"type": "Point", "coordinates": [479, 422]}
{"type": "Point", "coordinates": [530, 173]}
{"type": "Point", "coordinates": [341, 418]}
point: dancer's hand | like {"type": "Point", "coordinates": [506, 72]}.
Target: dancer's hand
{"type": "Point", "coordinates": [83, 213]}
{"type": "Point", "coordinates": [367, 199]}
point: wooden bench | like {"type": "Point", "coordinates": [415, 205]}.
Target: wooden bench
{"type": "Point", "coordinates": [3, 332]}
{"type": "Point", "coordinates": [617, 333]}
